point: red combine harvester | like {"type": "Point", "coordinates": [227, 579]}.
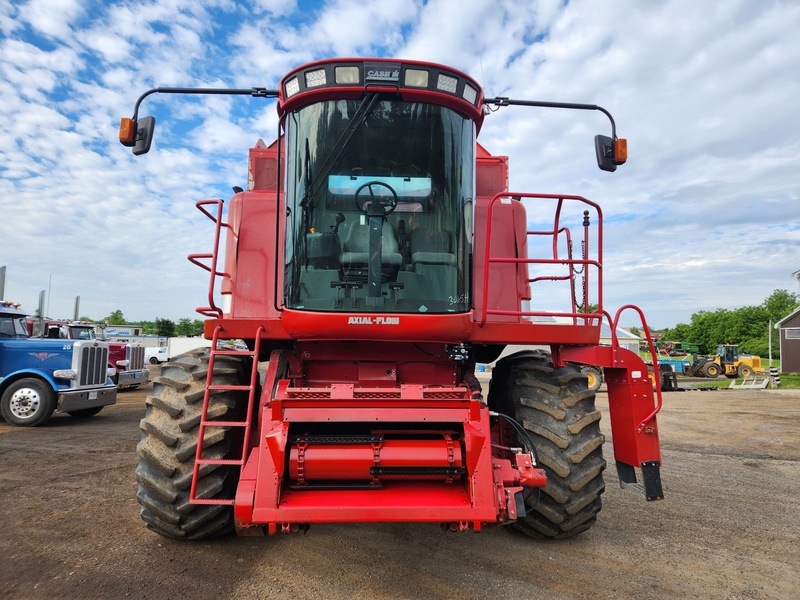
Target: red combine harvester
{"type": "Point", "coordinates": [374, 262]}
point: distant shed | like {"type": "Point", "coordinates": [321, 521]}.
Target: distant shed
{"type": "Point", "coordinates": [789, 328]}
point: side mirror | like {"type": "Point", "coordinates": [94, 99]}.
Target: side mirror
{"type": "Point", "coordinates": [137, 134]}
{"type": "Point", "coordinates": [610, 152]}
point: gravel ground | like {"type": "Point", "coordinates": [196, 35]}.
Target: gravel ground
{"type": "Point", "coordinates": [728, 527]}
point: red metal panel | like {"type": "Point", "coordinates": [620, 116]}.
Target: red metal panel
{"type": "Point", "coordinates": [352, 462]}
{"type": "Point", "coordinates": [254, 285]}
{"type": "Point", "coordinates": [528, 332]}
{"type": "Point", "coordinates": [503, 280]}
{"type": "Point", "coordinates": [630, 398]}
{"type": "Point", "coordinates": [473, 498]}
{"type": "Point", "coordinates": [305, 325]}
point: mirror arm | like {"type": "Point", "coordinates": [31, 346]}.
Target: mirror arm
{"type": "Point", "coordinates": [256, 92]}
{"type": "Point", "coordinates": [502, 101]}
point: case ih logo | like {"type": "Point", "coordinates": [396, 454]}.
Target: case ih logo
{"type": "Point", "coordinates": [42, 355]}
{"type": "Point", "coordinates": [382, 72]}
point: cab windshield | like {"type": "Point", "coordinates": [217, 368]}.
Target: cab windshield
{"type": "Point", "coordinates": [82, 333]}
{"type": "Point", "coordinates": [13, 326]}
{"type": "Point", "coordinates": [379, 207]}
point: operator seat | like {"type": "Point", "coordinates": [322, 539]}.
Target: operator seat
{"type": "Point", "coordinates": [356, 246]}
{"type": "Point", "coordinates": [431, 247]}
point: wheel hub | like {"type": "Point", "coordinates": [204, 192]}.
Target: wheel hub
{"type": "Point", "coordinates": [24, 403]}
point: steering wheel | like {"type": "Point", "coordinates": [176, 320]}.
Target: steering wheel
{"type": "Point", "coordinates": [388, 203]}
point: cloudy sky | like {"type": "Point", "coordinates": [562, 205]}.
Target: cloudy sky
{"type": "Point", "coordinates": [705, 214]}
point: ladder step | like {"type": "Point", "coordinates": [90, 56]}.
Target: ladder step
{"type": "Point", "coordinates": [225, 501]}
{"type": "Point", "coordinates": [233, 353]}
{"type": "Point", "coordinates": [233, 388]}
{"type": "Point", "coordinates": [223, 423]}
{"type": "Point", "coordinates": [220, 461]}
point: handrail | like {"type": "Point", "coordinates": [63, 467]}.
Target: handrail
{"type": "Point", "coordinates": [212, 310]}
{"type": "Point", "coordinates": [653, 354]}
{"type": "Point", "coordinates": [555, 233]}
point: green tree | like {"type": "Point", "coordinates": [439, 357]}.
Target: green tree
{"type": "Point", "coordinates": [780, 304]}
{"type": "Point", "coordinates": [165, 327]}
{"type": "Point", "coordinates": [198, 327]}
{"type": "Point", "coordinates": [148, 327]}
{"type": "Point", "coordinates": [115, 318]}
{"type": "Point", "coordinates": [680, 333]}
{"type": "Point", "coordinates": [183, 327]}
{"type": "Point", "coordinates": [747, 326]}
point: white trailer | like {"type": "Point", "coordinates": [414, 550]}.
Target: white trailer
{"type": "Point", "coordinates": [179, 345]}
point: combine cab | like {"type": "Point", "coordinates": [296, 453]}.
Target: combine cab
{"type": "Point", "coordinates": [375, 258]}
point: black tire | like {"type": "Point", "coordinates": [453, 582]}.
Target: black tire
{"type": "Point", "coordinates": [153, 360]}
{"type": "Point", "coordinates": [744, 371]}
{"type": "Point", "coordinates": [711, 370]}
{"type": "Point", "coordinates": [594, 376]}
{"type": "Point", "coordinates": [27, 402]}
{"type": "Point", "coordinates": [167, 447]}
{"type": "Point", "coordinates": [85, 412]}
{"type": "Point", "coordinates": [555, 406]}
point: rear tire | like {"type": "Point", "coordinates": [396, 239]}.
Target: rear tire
{"type": "Point", "coordinates": [744, 371]}
{"type": "Point", "coordinates": [167, 448]}
{"type": "Point", "coordinates": [555, 406]}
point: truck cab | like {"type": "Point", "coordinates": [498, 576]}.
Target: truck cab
{"type": "Point", "coordinates": [41, 376]}
{"type": "Point", "coordinates": [127, 359]}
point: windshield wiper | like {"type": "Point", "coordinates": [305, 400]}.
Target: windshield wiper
{"type": "Point", "coordinates": [362, 112]}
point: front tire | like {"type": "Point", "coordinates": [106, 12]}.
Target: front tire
{"type": "Point", "coordinates": [557, 409]}
{"type": "Point", "coordinates": [27, 402]}
{"type": "Point", "coordinates": [168, 444]}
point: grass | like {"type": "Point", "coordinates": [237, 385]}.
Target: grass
{"type": "Point", "coordinates": [790, 380]}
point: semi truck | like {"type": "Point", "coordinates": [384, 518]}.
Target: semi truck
{"type": "Point", "coordinates": [374, 258]}
{"type": "Point", "coordinates": [41, 376]}
{"type": "Point", "coordinates": [127, 359]}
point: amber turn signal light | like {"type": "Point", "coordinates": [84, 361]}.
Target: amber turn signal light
{"type": "Point", "coordinates": [127, 132]}
{"type": "Point", "coordinates": [620, 151]}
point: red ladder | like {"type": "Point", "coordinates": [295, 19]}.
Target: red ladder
{"type": "Point", "coordinates": [246, 423]}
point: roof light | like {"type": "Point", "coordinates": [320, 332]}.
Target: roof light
{"type": "Point", "coordinates": [447, 83]}
{"type": "Point", "coordinates": [416, 78]}
{"type": "Point", "coordinates": [345, 75]}
{"type": "Point", "coordinates": [470, 93]}
{"type": "Point", "coordinates": [315, 78]}
{"type": "Point", "coordinates": [292, 87]}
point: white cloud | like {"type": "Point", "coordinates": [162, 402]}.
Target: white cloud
{"type": "Point", "coordinates": [53, 18]}
{"type": "Point", "coordinates": [703, 215]}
